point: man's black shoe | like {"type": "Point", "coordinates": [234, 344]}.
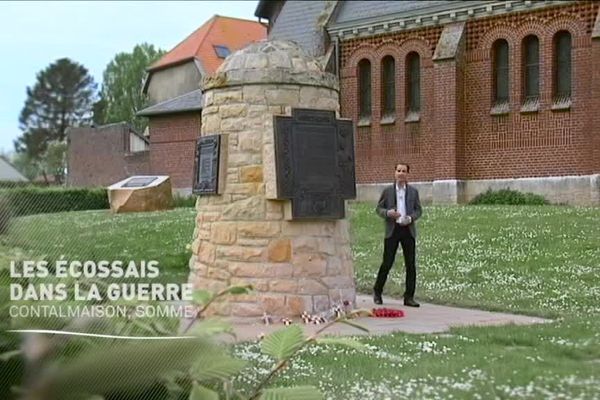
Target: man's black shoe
{"type": "Point", "coordinates": [377, 298]}
{"type": "Point", "coordinates": [411, 303]}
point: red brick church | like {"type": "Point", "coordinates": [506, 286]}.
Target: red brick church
{"type": "Point", "coordinates": [473, 95]}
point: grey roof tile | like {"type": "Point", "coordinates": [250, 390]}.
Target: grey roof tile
{"type": "Point", "coordinates": [191, 101]}
{"type": "Point", "coordinates": [358, 10]}
{"type": "Point", "coordinates": [298, 21]}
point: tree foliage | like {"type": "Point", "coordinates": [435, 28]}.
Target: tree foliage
{"type": "Point", "coordinates": [54, 160]}
{"type": "Point", "coordinates": [121, 95]}
{"type": "Point", "coordinates": [62, 97]}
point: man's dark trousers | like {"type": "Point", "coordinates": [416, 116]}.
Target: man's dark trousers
{"type": "Point", "coordinates": [401, 235]}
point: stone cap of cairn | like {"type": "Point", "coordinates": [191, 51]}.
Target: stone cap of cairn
{"type": "Point", "coordinates": [270, 62]}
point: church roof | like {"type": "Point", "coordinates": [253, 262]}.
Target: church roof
{"type": "Point", "coordinates": [351, 11]}
{"type": "Point", "coordinates": [354, 19]}
{"type": "Point", "coordinates": [302, 22]}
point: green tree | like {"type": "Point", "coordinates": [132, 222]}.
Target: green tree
{"type": "Point", "coordinates": [62, 96]}
{"type": "Point", "coordinates": [121, 94]}
{"type": "Point", "coordinates": [54, 160]}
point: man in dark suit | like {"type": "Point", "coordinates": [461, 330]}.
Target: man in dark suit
{"type": "Point", "coordinates": [400, 207]}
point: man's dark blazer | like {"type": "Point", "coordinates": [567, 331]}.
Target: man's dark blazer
{"type": "Point", "coordinates": [387, 201]}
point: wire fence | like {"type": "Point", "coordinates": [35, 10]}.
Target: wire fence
{"type": "Point", "coordinates": [41, 225]}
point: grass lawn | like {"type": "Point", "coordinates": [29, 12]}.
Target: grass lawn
{"type": "Point", "coordinates": [100, 235]}
{"type": "Point", "coordinates": [541, 260]}
{"type": "Point", "coordinates": [537, 260]}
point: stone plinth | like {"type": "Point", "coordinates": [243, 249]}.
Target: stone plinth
{"type": "Point", "coordinates": [242, 235]}
{"type": "Point", "coordinates": [128, 196]}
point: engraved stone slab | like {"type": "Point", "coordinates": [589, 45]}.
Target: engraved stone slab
{"type": "Point", "coordinates": [314, 158]}
{"type": "Point", "coordinates": [206, 165]}
{"type": "Point", "coordinates": [140, 193]}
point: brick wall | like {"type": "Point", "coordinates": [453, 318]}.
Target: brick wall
{"type": "Point", "coordinates": [544, 143]}
{"type": "Point", "coordinates": [137, 163]}
{"type": "Point", "coordinates": [172, 146]}
{"type": "Point", "coordinates": [99, 156]}
{"type": "Point", "coordinates": [379, 147]}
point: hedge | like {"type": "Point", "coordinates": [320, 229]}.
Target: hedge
{"type": "Point", "coordinates": [509, 197]}
{"type": "Point", "coordinates": [19, 184]}
{"type": "Point", "coordinates": [34, 200]}
{"type": "Point", "coordinates": [184, 201]}
{"type": "Point", "coordinates": [5, 215]}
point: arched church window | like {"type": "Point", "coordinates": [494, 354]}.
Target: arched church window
{"type": "Point", "coordinates": [388, 86]}
{"type": "Point", "coordinates": [364, 89]}
{"type": "Point", "coordinates": [500, 71]}
{"type": "Point", "coordinates": [562, 66]}
{"type": "Point", "coordinates": [413, 83]}
{"type": "Point", "coordinates": [531, 68]}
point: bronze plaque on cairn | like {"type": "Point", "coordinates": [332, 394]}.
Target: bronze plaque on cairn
{"type": "Point", "coordinates": [314, 158]}
{"type": "Point", "coordinates": [206, 165]}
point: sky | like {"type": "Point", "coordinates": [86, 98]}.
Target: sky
{"type": "Point", "coordinates": [35, 34]}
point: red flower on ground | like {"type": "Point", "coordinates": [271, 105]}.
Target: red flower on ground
{"type": "Point", "coordinates": [387, 313]}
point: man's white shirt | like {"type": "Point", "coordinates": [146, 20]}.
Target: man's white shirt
{"type": "Point", "coordinates": [400, 201]}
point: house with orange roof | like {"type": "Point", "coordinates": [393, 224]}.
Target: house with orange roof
{"type": "Point", "coordinates": [175, 99]}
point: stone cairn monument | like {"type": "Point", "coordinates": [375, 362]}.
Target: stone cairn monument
{"type": "Point", "coordinates": [254, 222]}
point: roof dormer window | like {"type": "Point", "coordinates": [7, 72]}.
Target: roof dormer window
{"type": "Point", "coordinates": [222, 51]}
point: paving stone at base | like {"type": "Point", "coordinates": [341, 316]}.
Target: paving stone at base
{"type": "Point", "coordinates": [429, 318]}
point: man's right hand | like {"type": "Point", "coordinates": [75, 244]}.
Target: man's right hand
{"type": "Point", "coordinates": [393, 214]}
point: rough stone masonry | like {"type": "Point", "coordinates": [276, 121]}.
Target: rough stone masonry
{"type": "Point", "coordinates": [243, 234]}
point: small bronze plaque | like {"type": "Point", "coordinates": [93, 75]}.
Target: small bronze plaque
{"type": "Point", "coordinates": [140, 181]}
{"type": "Point", "coordinates": [206, 165]}
{"type": "Point", "coordinates": [314, 156]}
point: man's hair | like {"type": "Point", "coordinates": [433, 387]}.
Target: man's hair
{"type": "Point", "coordinates": [403, 163]}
